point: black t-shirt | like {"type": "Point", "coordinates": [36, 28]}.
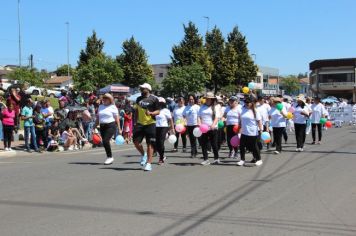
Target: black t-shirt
{"type": "Point", "coordinates": [143, 104]}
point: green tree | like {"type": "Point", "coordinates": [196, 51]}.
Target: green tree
{"type": "Point", "coordinates": [27, 75]}
{"type": "Point", "coordinates": [63, 70]}
{"type": "Point", "coordinates": [134, 63]}
{"type": "Point", "coordinates": [290, 84]}
{"type": "Point", "coordinates": [223, 57]}
{"type": "Point", "coordinates": [191, 50]}
{"type": "Point", "coordinates": [97, 73]}
{"type": "Point", "coordinates": [184, 80]}
{"type": "Point", "coordinates": [246, 69]}
{"type": "Point", "coordinates": [94, 48]}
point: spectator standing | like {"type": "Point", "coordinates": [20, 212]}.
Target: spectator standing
{"type": "Point", "coordinates": [27, 116]}
{"type": "Point", "coordinates": [8, 120]}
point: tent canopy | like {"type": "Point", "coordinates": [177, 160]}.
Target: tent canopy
{"type": "Point", "coordinates": [115, 88]}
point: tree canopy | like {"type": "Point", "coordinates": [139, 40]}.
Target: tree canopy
{"type": "Point", "coordinates": [290, 84]}
{"type": "Point", "coordinates": [31, 76]}
{"type": "Point", "coordinates": [94, 48]}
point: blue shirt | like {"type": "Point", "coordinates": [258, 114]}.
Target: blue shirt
{"type": "Point", "coordinates": [26, 112]}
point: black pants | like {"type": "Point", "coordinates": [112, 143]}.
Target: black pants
{"type": "Point", "coordinates": [251, 143]}
{"type": "Point", "coordinates": [161, 133]}
{"type": "Point", "coordinates": [8, 130]}
{"type": "Point", "coordinates": [41, 135]}
{"type": "Point", "coordinates": [314, 131]}
{"type": "Point", "coordinates": [285, 134]}
{"type": "Point", "coordinates": [221, 137]}
{"type": "Point", "coordinates": [230, 133]}
{"type": "Point", "coordinates": [300, 134]}
{"type": "Point", "coordinates": [192, 140]}
{"type": "Point", "coordinates": [212, 136]}
{"type": "Point", "coordinates": [277, 134]}
{"type": "Point", "coordinates": [184, 140]}
{"type": "Point", "coordinates": [107, 131]}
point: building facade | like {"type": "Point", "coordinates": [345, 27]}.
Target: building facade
{"type": "Point", "coordinates": [334, 77]}
{"type": "Point", "coordinates": [160, 72]}
{"type": "Point", "coordinates": [268, 81]}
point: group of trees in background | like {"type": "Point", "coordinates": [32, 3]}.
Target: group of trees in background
{"type": "Point", "coordinates": [198, 64]}
{"type": "Point", "coordinates": [214, 63]}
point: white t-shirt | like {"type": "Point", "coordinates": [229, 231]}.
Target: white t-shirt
{"type": "Point", "coordinates": [163, 117]}
{"type": "Point", "coordinates": [318, 110]}
{"type": "Point", "coordinates": [107, 114]}
{"type": "Point", "coordinates": [232, 115]}
{"type": "Point", "coordinates": [299, 118]}
{"type": "Point", "coordinates": [286, 105]}
{"type": "Point", "coordinates": [277, 119]}
{"type": "Point", "coordinates": [64, 136]}
{"type": "Point", "coordinates": [264, 110]}
{"type": "Point", "coordinates": [191, 114]}
{"type": "Point", "coordinates": [249, 123]}
{"type": "Point", "coordinates": [178, 113]}
{"type": "Point", "coordinates": [206, 115]}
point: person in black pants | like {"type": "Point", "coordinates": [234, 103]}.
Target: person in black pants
{"type": "Point", "coordinates": [8, 116]}
{"type": "Point", "coordinates": [109, 119]}
{"type": "Point", "coordinates": [251, 126]}
{"type": "Point", "coordinates": [190, 114]}
{"type": "Point", "coordinates": [320, 134]}
{"type": "Point", "coordinates": [207, 116]}
{"type": "Point", "coordinates": [301, 114]}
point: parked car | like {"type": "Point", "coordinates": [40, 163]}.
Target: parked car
{"type": "Point", "coordinates": [52, 93]}
{"type": "Point", "coordinates": [33, 90]}
{"type": "Point", "coordinates": [4, 84]}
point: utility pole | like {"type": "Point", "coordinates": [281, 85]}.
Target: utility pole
{"type": "Point", "coordinates": [19, 26]}
{"type": "Point", "coordinates": [68, 73]}
{"type": "Point", "coordinates": [207, 23]}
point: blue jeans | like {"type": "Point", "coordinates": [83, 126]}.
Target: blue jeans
{"type": "Point", "coordinates": [30, 130]}
{"type": "Point", "coordinates": [88, 126]}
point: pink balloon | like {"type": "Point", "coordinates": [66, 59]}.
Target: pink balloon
{"type": "Point", "coordinates": [291, 109]}
{"type": "Point", "coordinates": [179, 128]}
{"type": "Point", "coordinates": [235, 141]}
{"type": "Point", "coordinates": [204, 128]}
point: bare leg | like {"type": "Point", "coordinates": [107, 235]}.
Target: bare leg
{"type": "Point", "coordinates": [139, 148]}
{"type": "Point", "coordinates": [150, 150]}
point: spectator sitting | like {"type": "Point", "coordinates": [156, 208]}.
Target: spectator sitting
{"type": "Point", "coordinates": [69, 139]}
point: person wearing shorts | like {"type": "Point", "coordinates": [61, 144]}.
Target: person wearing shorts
{"type": "Point", "coordinates": [147, 107]}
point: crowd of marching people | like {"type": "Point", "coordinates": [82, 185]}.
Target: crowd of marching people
{"type": "Point", "coordinates": [246, 124]}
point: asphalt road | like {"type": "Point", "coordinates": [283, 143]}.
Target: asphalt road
{"type": "Point", "coordinates": [309, 193]}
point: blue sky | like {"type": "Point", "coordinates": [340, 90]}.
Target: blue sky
{"type": "Point", "coordinates": [286, 34]}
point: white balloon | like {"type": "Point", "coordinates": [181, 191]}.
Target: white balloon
{"type": "Point", "coordinates": [172, 139]}
{"type": "Point", "coordinates": [197, 132]}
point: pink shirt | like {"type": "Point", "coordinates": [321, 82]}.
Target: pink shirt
{"type": "Point", "coordinates": [8, 117]}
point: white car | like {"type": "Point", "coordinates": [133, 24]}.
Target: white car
{"type": "Point", "coordinates": [53, 93]}
{"type": "Point", "coordinates": [33, 90]}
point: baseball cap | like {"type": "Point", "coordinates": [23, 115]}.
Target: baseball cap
{"type": "Point", "coordinates": [146, 86]}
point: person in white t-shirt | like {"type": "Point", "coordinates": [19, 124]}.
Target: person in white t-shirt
{"type": "Point", "coordinates": [178, 116]}
{"type": "Point", "coordinates": [318, 111]}
{"type": "Point", "coordinates": [251, 126]}
{"type": "Point", "coordinates": [164, 122]}
{"type": "Point", "coordinates": [263, 108]}
{"type": "Point", "coordinates": [301, 114]}
{"type": "Point", "coordinates": [232, 119]}
{"type": "Point", "coordinates": [109, 119]}
{"type": "Point", "coordinates": [190, 114]}
{"type": "Point", "coordinates": [287, 105]}
{"type": "Point", "coordinates": [278, 123]}
{"type": "Point", "coordinates": [208, 116]}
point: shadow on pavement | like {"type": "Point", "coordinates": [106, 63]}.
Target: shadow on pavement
{"type": "Point", "coordinates": [120, 169]}
{"type": "Point", "coordinates": [86, 163]}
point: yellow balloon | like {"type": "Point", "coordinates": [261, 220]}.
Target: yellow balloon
{"type": "Point", "coordinates": [289, 115]}
{"type": "Point", "coordinates": [245, 90]}
{"type": "Point", "coordinates": [202, 101]}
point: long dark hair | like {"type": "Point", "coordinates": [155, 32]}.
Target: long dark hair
{"type": "Point", "coordinates": [194, 97]}
{"type": "Point", "coordinates": [212, 105]}
{"type": "Point", "coordinates": [252, 101]}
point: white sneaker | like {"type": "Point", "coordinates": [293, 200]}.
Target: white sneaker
{"type": "Point", "coordinates": [240, 163]}
{"type": "Point", "coordinates": [236, 155]}
{"type": "Point", "coordinates": [6, 150]}
{"type": "Point", "coordinates": [205, 163]}
{"type": "Point", "coordinates": [297, 150]}
{"type": "Point", "coordinates": [217, 162]}
{"type": "Point", "coordinates": [231, 155]}
{"type": "Point", "coordinates": [109, 161]}
{"type": "Point", "coordinates": [148, 167]}
{"type": "Point", "coordinates": [10, 149]}
{"type": "Point", "coordinates": [70, 149]}
{"type": "Point", "coordinates": [301, 149]}
{"type": "Point", "coordinates": [258, 163]}
{"type": "Point", "coordinates": [276, 152]}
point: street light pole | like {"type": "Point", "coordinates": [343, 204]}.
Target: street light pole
{"type": "Point", "coordinates": [19, 26]}
{"type": "Point", "coordinates": [67, 23]}
{"type": "Point", "coordinates": [207, 23]}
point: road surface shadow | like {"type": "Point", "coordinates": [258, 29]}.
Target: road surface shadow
{"type": "Point", "coordinates": [186, 164]}
{"type": "Point", "coordinates": [86, 163]}
{"type": "Point", "coordinates": [121, 169]}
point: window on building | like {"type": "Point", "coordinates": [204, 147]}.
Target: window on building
{"type": "Point", "coordinates": [160, 75]}
{"type": "Point", "coordinates": [331, 78]}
